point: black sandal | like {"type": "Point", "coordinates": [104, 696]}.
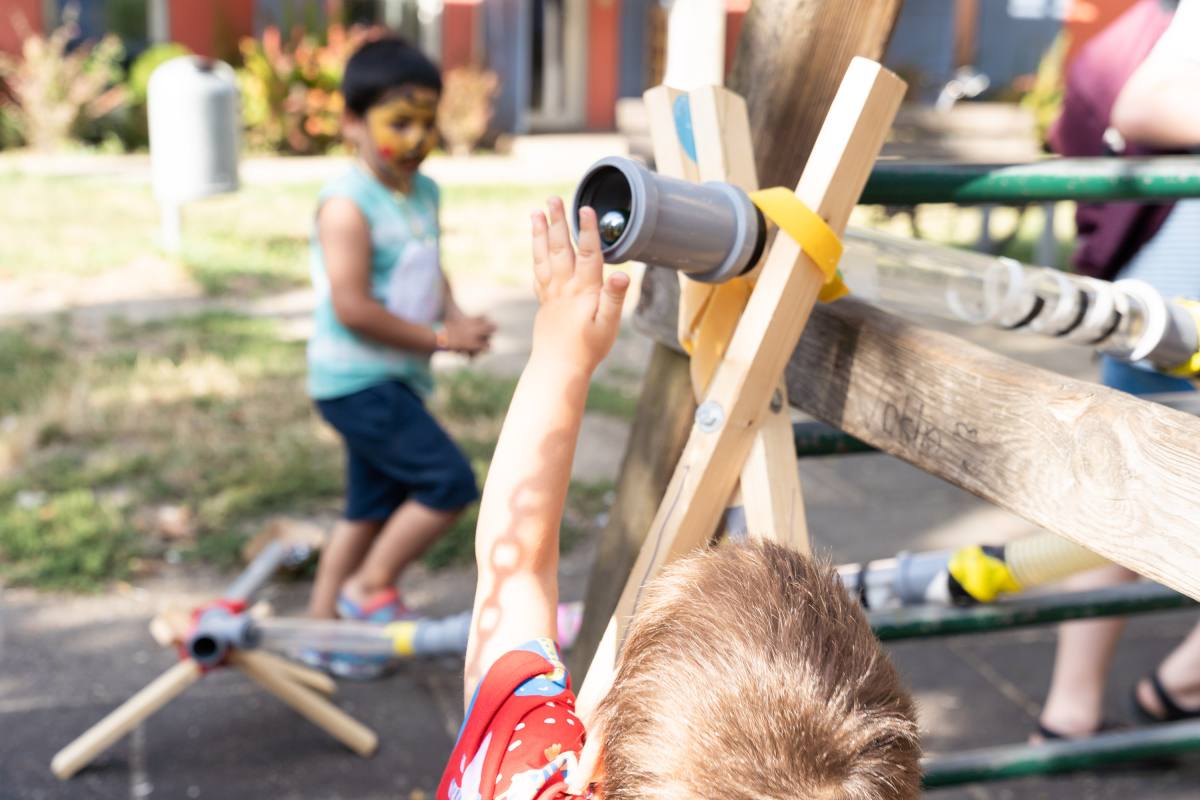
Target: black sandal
{"type": "Point", "coordinates": [1172, 711]}
{"type": "Point", "coordinates": [1051, 735]}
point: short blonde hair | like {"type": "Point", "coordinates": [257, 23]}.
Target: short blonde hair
{"type": "Point", "coordinates": [749, 672]}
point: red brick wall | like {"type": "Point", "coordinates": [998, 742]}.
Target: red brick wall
{"type": "Point", "coordinates": [735, 12]}
{"type": "Point", "coordinates": [462, 28]}
{"type": "Point", "coordinates": [604, 26]}
{"type": "Point", "coordinates": [10, 37]}
{"type": "Point", "coordinates": [211, 28]}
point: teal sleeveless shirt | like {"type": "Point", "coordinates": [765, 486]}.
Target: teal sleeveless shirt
{"type": "Point", "coordinates": [406, 278]}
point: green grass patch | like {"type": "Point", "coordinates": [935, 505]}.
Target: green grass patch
{"type": "Point", "coordinates": [31, 363]}
{"type": "Point", "coordinates": [245, 243]}
{"type": "Point", "coordinates": [70, 540]}
{"type": "Point", "coordinates": [208, 417]}
{"type": "Point", "coordinates": [468, 394]}
{"type": "Point", "coordinates": [206, 414]}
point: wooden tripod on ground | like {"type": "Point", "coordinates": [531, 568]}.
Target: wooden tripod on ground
{"type": "Point", "coordinates": [742, 430]}
{"type": "Point", "coordinates": [304, 689]}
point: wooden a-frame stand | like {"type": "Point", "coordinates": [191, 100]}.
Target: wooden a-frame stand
{"type": "Point", "coordinates": [742, 431]}
{"type": "Point", "coordinates": [305, 690]}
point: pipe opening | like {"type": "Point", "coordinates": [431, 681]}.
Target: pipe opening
{"type": "Point", "coordinates": [608, 193]}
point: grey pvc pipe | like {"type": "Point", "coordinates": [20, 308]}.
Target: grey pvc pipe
{"type": "Point", "coordinates": [258, 572]}
{"type": "Point", "coordinates": [711, 231]}
{"type": "Point", "coordinates": [217, 631]}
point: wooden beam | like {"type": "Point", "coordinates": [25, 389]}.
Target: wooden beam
{"type": "Point", "coordinates": [740, 392]}
{"type": "Point", "coordinates": [811, 64]}
{"type": "Point", "coordinates": [1104, 469]}
{"type": "Point", "coordinates": [655, 442]}
{"type": "Point", "coordinates": [769, 489]}
{"type": "Point", "coordinates": [790, 59]}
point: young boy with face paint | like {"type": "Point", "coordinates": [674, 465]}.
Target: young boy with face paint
{"type": "Point", "coordinates": [383, 307]}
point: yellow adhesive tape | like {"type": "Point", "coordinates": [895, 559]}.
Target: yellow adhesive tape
{"type": "Point", "coordinates": [812, 233]}
{"type": "Point", "coordinates": [710, 313]}
{"type": "Point", "coordinates": [982, 576]}
{"type": "Point", "coordinates": [710, 338]}
{"type": "Point", "coordinates": [1191, 367]}
{"type": "Point", "coordinates": [403, 634]}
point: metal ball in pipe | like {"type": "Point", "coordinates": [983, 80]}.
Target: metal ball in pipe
{"type": "Point", "coordinates": [711, 231]}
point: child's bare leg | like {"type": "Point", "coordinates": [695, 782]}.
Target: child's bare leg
{"type": "Point", "coordinates": [408, 532]}
{"type": "Point", "coordinates": [341, 556]}
{"type": "Point", "coordinates": [1180, 676]}
{"type": "Point", "coordinates": [1075, 702]}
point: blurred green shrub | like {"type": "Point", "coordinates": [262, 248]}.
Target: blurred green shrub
{"type": "Point", "coordinates": [1045, 96]}
{"type": "Point", "coordinates": [56, 90]}
{"type": "Point", "coordinates": [290, 98]}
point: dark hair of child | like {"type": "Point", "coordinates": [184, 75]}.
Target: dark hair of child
{"type": "Point", "coordinates": [382, 65]}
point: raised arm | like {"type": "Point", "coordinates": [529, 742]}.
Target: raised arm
{"type": "Point", "coordinates": [516, 541]}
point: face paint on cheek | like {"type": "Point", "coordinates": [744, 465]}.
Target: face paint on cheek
{"type": "Point", "coordinates": [401, 131]}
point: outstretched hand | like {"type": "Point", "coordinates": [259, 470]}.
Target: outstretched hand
{"type": "Point", "coordinates": [581, 311]}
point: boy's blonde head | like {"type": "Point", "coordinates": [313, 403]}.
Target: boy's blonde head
{"type": "Point", "coordinates": [748, 672]}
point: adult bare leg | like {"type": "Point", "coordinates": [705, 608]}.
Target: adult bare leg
{"type": "Point", "coordinates": [1074, 705]}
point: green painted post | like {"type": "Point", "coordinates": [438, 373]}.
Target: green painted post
{"type": "Point", "coordinates": [1016, 761]}
{"type": "Point", "coordinates": [919, 622]}
{"type": "Point", "coordinates": [818, 439]}
{"type": "Point", "coordinates": [905, 183]}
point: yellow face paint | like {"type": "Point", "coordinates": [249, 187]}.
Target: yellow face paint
{"type": "Point", "coordinates": [404, 129]}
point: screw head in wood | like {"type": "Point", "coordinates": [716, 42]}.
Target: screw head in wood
{"type": "Point", "coordinates": [710, 416]}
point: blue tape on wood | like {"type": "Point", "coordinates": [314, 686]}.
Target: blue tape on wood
{"type": "Point", "coordinates": [683, 125]}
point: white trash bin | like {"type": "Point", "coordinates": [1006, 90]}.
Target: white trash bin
{"type": "Point", "coordinates": [195, 131]}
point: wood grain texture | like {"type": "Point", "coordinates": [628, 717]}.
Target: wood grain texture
{"type": "Point", "coordinates": [660, 429]}
{"type": "Point", "coordinates": [1104, 469]}
{"type": "Point", "coordinates": [790, 60]}
{"type": "Point", "coordinates": [707, 473]}
{"type": "Point", "coordinates": [1099, 467]}
{"type": "Point", "coordinates": [769, 488]}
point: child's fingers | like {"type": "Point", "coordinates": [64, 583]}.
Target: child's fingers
{"type": "Point", "coordinates": [612, 299]}
{"type": "Point", "coordinates": [589, 264]}
{"type": "Point", "coordinates": [541, 248]}
{"type": "Point", "coordinates": [562, 255]}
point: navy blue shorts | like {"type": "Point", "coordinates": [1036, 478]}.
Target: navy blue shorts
{"type": "Point", "coordinates": [396, 451]}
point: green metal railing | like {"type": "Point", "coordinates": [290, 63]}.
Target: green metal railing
{"type": "Point", "coordinates": [1017, 761]}
{"type": "Point", "coordinates": [1019, 612]}
{"type": "Point", "coordinates": [907, 183]}
{"type": "Point", "coordinates": [819, 439]}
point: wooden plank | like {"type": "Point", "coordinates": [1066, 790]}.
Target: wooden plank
{"type": "Point", "coordinates": [657, 438]}
{"type": "Point", "coordinates": [124, 718]}
{"type": "Point", "coordinates": [655, 443]}
{"type": "Point", "coordinates": [813, 64]}
{"type": "Point", "coordinates": [1109, 471]}
{"type": "Point", "coordinates": [769, 489]}
{"type": "Point", "coordinates": [325, 715]}
{"type": "Point", "coordinates": [854, 130]}
{"type": "Point", "coordinates": [790, 60]}
{"type": "Point", "coordinates": [669, 157]}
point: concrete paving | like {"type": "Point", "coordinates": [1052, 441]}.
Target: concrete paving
{"type": "Point", "coordinates": [65, 662]}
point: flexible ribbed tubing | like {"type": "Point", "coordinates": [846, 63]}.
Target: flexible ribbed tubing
{"type": "Point", "coordinates": [1045, 558]}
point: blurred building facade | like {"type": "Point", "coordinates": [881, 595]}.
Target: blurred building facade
{"type": "Point", "coordinates": [564, 63]}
